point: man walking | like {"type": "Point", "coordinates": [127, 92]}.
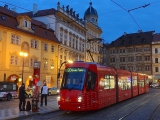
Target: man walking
{"type": "Point", "coordinates": [44, 93]}
{"type": "Point", "coordinates": [22, 100]}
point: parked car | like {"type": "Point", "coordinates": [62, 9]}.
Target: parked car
{"type": "Point", "coordinates": [8, 90]}
{"type": "Point", "coordinates": [154, 85]}
{"type": "Point", "coordinates": [53, 91]}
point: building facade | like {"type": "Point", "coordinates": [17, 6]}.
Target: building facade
{"type": "Point", "coordinates": [72, 32]}
{"type": "Point", "coordinates": [20, 33]}
{"type": "Point", "coordinates": [132, 52]}
{"type": "Point", "coordinates": [156, 57]}
{"type": "Point", "coordinates": [93, 35]}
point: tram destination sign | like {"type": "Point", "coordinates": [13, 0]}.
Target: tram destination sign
{"type": "Point", "coordinates": [75, 70]}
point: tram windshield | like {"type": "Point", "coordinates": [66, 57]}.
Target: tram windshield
{"type": "Point", "coordinates": [73, 78]}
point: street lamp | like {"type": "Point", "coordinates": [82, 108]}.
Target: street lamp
{"type": "Point", "coordinates": [58, 75]}
{"type": "Point", "coordinates": [23, 54]}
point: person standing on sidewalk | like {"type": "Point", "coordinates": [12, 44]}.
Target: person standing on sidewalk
{"type": "Point", "coordinates": [22, 97]}
{"type": "Point", "coordinates": [44, 93]}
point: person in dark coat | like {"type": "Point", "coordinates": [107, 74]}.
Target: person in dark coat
{"type": "Point", "coordinates": [22, 97]}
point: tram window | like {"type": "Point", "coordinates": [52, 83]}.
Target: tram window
{"type": "Point", "coordinates": [134, 81]}
{"type": "Point", "coordinates": [141, 83]}
{"type": "Point", "coordinates": [109, 82]}
{"type": "Point", "coordinates": [91, 79]}
{"type": "Point", "coordinates": [147, 81]}
{"type": "Point", "coordinates": [73, 78]}
{"type": "Point", "coordinates": [124, 84]}
{"type": "Point", "coordinates": [128, 85]}
{"type": "Point", "coordinates": [68, 81]}
{"type": "Point", "coordinates": [112, 82]}
{"type": "Point", "coordinates": [106, 82]}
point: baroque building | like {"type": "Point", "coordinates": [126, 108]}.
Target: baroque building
{"type": "Point", "coordinates": [132, 52]}
{"type": "Point", "coordinates": [72, 32]}
{"type": "Point", "coordinates": [21, 33]}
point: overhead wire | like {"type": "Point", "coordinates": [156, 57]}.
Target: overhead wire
{"type": "Point", "coordinates": [101, 14]}
{"type": "Point", "coordinates": [128, 11]}
{"type": "Point", "coordinates": [54, 18]}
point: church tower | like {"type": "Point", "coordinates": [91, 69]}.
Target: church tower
{"type": "Point", "coordinates": [91, 15]}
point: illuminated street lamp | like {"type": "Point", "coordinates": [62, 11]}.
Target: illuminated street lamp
{"type": "Point", "coordinates": [23, 54]}
{"type": "Point", "coordinates": [58, 75]}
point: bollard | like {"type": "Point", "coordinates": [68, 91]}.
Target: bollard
{"type": "Point", "coordinates": [35, 104]}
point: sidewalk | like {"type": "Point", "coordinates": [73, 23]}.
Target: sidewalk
{"type": "Point", "coordinates": [13, 113]}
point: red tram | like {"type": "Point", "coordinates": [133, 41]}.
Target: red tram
{"type": "Point", "coordinates": [89, 86]}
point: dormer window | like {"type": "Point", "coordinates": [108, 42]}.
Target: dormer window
{"type": "Point", "coordinates": [25, 23]}
{"type": "Point", "coordinates": [3, 18]}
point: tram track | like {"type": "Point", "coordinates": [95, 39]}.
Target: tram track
{"type": "Point", "coordinates": [70, 115]}
{"type": "Point", "coordinates": [81, 115]}
{"type": "Point", "coordinates": [154, 112]}
{"type": "Point", "coordinates": [136, 108]}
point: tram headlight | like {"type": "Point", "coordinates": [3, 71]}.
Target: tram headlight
{"type": "Point", "coordinates": [58, 98]}
{"type": "Point", "coordinates": [79, 98]}
{"type": "Point", "coordinates": [57, 91]}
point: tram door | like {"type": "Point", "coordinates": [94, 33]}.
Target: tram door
{"type": "Point", "coordinates": [91, 94]}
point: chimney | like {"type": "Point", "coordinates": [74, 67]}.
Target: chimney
{"type": "Point", "coordinates": [125, 33]}
{"type": "Point", "coordinates": [34, 8]}
{"type": "Point", "coordinates": [48, 26]}
{"type": "Point", "coordinates": [139, 31]}
{"type": "Point", "coordinates": [6, 6]}
{"type": "Point", "coordinates": [153, 33]}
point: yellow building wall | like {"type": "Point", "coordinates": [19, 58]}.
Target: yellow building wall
{"type": "Point", "coordinates": [7, 49]}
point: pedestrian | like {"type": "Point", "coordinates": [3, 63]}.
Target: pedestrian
{"type": "Point", "coordinates": [22, 97]}
{"type": "Point", "coordinates": [44, 93]}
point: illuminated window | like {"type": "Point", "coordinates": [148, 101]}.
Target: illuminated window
{"type": "Point", "coordinates": [109, 82]}
{"type": "Point", "coordinates": [124, 83]}
{"type": "Point", "coordinates": [52, 65]}
{"type": "Point", "coordinates": [134, 80]}
{"type": "Point", "coordinates": [141, 83]}
{"type": "Point", "coordinates": [32, 60]}
{"type": "Point", "coordinates": [45, 65]}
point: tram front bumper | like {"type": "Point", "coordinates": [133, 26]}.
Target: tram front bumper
{"type": "Point", "coordinates": [71, 106]}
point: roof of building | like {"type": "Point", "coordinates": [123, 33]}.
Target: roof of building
{"type": "Point", "coordinates": [41, 13]}
{"type": "Point", "coordinates": [139, 38]}
{"type": "Point", "coordinates": [8, 19]}
{"type": "Point", "coordinates": [90, 11]}
{"type": "Point", "coordinates": [156, 38]}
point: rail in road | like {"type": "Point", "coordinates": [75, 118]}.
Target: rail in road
{"type": "Point", "coordinates": [143, 107]}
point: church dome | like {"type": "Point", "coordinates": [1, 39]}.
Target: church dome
{"type": "Point", "coordinates": [90, 11]}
